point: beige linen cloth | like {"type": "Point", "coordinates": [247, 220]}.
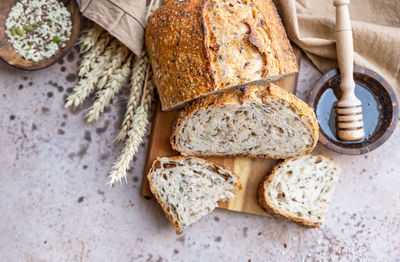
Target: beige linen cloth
{"type": "Point", "coordinates": [124, 19]}
{"type": "Point", "coordinates": [376, 33]}
{"type": "Point", "coordinates": [309, 23]}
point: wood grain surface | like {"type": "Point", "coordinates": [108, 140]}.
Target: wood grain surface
{"type": "Point", "coordinates": [250, 170]}
{"type": "Point", "coordinates": [7, 52]}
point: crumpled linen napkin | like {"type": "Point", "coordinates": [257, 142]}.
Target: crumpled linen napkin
{"type": "Point", "coordinates": [123, 19]}
{"type": "Point", "coordinates": [310, 24]}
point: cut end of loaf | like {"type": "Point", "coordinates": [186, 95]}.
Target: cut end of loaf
{"type": "Point", "coordinates": [201, 47]}
{"type": "Point", "coordinates": [188, 188]}
{"type": "Point", "coordinates": [256, 121]}
{"type": "Point", "coordinates": [300, 189]}
{"type": "Point", "coordinates": [239, 43]}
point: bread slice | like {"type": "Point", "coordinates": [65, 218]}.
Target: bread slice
{"type": "Point", "coordinates": [253, 121]}
{"type": "Point", "coordinates": [300, 189]}
{"type": "Point", "coordinates": [200, 47]}
{"type": "Point", "coordinates": [188, 188]}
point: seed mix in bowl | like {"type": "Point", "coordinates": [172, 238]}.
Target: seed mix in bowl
{"type": "Point", "coordinates": [37, 29]}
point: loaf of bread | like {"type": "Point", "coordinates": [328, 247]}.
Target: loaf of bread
{"type": "Point", "coordinates": [200, 47]}
{"type": "Point", "coordinates": [188, 188]}
{"type": "Point", "coordinates": [251, 121]}
{"type": "Point", "coordinates": [300, 189]}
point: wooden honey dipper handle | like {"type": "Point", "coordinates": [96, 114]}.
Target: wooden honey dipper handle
{"type": "Point", "coordinates": [349, 123]}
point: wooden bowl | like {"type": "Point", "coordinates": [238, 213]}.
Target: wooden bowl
{"type": "Point", "coordinates": [383, 93]}
{"type": "Point", "coordinates": [7, 52]}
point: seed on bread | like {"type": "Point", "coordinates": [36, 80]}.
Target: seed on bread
{"type": "Point", "coordinates": [300, 189]}
{"type": "Point", "coordinates": [222, 37]}
{"type": "Point", "coordinates": [255, 121]}
{"type": "Point", "coordinates": [188, 188]}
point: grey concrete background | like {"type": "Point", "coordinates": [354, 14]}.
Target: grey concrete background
{"type": "Point", "coordinates": [55, 206]}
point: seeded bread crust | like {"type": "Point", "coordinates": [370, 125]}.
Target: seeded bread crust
{"type": "Point", "coordinates": [270, 208]}
{"type": "Point", "coordinates": [183, 57]}
{"type": "Point", "coordinates": [239, 97]}
{"type": "Point", "coordinates": [175, 44]}
{"type": "Point", "coordinates": [156, 194]}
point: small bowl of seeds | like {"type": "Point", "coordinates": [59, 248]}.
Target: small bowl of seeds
{"type": "Point", "coordinates": [34, 34]}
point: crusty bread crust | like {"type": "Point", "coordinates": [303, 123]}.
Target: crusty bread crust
{"type": "Point", "coordinates": [180, 55]}
{"type": "Point", "coordinates": [270, 208]}
{"type": "Point", "coordinates": [174, 41]}
{"type": "Point", "coordinates": [238, 97]}
{"type": "Point", "coordinates": [158, 197]}
{"type": "Point", "coordinates": [276, 30]}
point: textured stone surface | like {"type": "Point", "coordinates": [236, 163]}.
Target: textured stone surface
{"type": "Point", "coordinates": [55, 206]}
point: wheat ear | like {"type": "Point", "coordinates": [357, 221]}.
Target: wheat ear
{"type": "Point", "coordinates": [139, 120]}
{"type": "Point", "coordinates": [87, 84]}
{"type": "Point", "coordinates": [89, 36]}
{"type": "Point", "coordinates": [116, 62]}
{"type": "Point", "coordinates": [89, 59]}
{"type": "Point", "coordinates": [135, 133]}
{"type": "Point", "coordinates": [135, 87]}
{"type": "Point", "coordinates": [113, 86]}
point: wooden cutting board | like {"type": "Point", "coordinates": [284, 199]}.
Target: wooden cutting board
{"type": "Point", "coordinates": [250, 170]}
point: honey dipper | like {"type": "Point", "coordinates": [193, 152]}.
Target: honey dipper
{"type": "Point", "coordinates": [349, 119]}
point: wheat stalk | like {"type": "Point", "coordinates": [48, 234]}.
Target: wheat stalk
{"type": "Point", "coordinates": [136, 124]}
{"type": "Point", "coordinates": [135, 134]}
{"type": "Point", "coordinates": [136, 86]}
{"type": "Point", "coordinates": [116, 62]}
{"type": "Point", "coordinates": [89, 36]}
{"type": "Point", "coordinates": [87, 84]}
{"type": "Point", "coordinates": [148, 91]}
{"type": "Point", "coordinates": [113, 86]}
{"type": "Point", "coordinates": [89, 59]}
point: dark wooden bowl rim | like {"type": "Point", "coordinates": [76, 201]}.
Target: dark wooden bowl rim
{"type": "Point", "coordinates": [378, 140]}
{"type": "Point", "coordinates": [8, 54]}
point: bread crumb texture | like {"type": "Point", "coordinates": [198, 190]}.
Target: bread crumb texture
{"type": "Point", "coordinates": [255, 121]}
{"type": "Point", "coordinates": [300, 189]}
{"type": "Point", "coordinates": [188, 188]}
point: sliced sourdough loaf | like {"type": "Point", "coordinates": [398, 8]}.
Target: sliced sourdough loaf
{"type": "Point", "coordinates": [200, 47]}
{"type": "Point", "coordinates": [188, 188]}
{"type": "Point", "coordinates": [300, 189]}
{"type": "Point", "coordinates": [252, 121]}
